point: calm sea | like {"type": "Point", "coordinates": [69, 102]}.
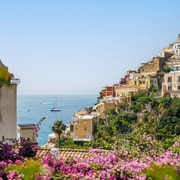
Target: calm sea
{"type": "Point", "coordinates": [31, 108]}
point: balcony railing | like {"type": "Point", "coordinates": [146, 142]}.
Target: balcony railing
{"type": "Point", "coordinates": [172, 91]}
{"type": "Point", "coordinates": [15, 81]}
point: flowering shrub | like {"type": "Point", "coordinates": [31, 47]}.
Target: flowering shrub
{"type": "Point", "coordinates": [8, 153]}
{"type": "Point", "coordinates": [30, 168]}
{"type": "Point", "coordinates": [15, 153]}
{"type": "Point", "coordinates": [18, 150]}
{"type": "Point", "coordinates": [112, 165]}
{"type": "Point", "coordinates": [14, 175]}
{"type": "Point", "coordinates": [100, 164]}
{"type": "Point", "coordinates": [27, 148]}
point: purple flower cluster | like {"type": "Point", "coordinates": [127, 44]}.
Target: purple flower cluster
{"type": "Point", "coordinates": [132, 163]}
{"type": "Point", "coordinates": [15, 153]}
{"type": "Point", "coordinates": [14, 175]}
{"type": "Point", "coordinates": [110, 165]}
{"type": "Point", "coordinates": [27, 148]}
{"type": "Point", "coordinates": [8, 153]}
{"type": "Point", "coordinates": [18, 150]}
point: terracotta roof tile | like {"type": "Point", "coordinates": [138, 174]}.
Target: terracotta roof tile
{"type": "Point", "coordinates": [66, 154]}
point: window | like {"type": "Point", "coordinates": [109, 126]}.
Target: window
{"type": "Point", "coordinates": [142, 82]}
{"type": "Point", "coordinates": [169, 79]}
{"type": "Point", "coordinates": [178, 78]}
{"type": "Point", "coordinates": [169, 88]}
{"type": "Point", "coordinates": [85, 128]}
{"type": "Point", "coordinates": [178, 87]}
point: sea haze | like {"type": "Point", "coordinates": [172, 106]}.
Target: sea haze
{"type": "Point", "coordinates": [31, 108]}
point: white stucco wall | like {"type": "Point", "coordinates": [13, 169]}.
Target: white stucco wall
{"type": "Point", "coordinates": [8, 103]}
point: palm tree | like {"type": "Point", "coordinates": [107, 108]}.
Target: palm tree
{"type": "Point", "coordinates": [58, 128]}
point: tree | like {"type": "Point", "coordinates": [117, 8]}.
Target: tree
{"type": "Point", "coordinates": [5, 76]}
{"type": "Point", "coordinates": [58, 128]}
{"type": "Point", "coordinates": [168, 126]}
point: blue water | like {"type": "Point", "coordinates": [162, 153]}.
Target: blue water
{"type": "Point", "coordinates": [31, 108]}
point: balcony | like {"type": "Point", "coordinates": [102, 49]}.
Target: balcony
{"type": "Point", "coordinates": [15, 81]}
{"type": "Point", "coordinates": [88, 138]}
{"type": "Point", "coordinates": [177, 91]}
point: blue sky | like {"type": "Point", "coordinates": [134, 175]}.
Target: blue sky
{"type": "Point", "coordinates": [80, 46]}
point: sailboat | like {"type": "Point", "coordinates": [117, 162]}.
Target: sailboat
{"type": "Point", "coordinates": [55, 108]}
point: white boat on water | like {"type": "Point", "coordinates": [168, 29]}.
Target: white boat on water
{"type": "Point", "coordinates": [55, 108]}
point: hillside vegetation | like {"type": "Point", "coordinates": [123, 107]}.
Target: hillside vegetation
{"type": "Point", "coordinates": [158, 118]}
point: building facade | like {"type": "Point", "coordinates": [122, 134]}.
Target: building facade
{"type": "Point", "coordinates": [83, 126]}
{"type": "Point", "coordinates": [8, 106]}
{"type": "Point", "coordinates": [108, 91]}
{"type": "Point", "coordinates": [26, 131]}
{"type": "Point", "coordinates": [171, 84]}
{"type": "Point", "coordinates": [105, 104]}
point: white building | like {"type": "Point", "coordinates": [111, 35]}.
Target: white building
{"type": "Point", "coordinates": [171, 84]}
{"type": "Point", "coordinates": [26, 131]}
{"type": "Point", "coordinates": [8, 107]}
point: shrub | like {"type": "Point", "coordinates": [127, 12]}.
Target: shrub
{"type": "Point", "coordinates": [27, 148]}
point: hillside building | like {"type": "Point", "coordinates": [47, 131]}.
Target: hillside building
{"type": "Point", "coordinates": [105, 104]}
{"type": "Point", "coordinates": [171, 84]}
{"type": "Point", "coordinates": [83, 125]}
{"type": "Point", "coordinates": [108, 91]}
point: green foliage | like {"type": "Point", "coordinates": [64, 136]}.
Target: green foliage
{"type": "Point", "coordinates": [152, 88]}
{"type": "Point", "coordinates": [167, 142]}
{"type": "Point", "coordinates": [145, 99]}
{"type": "Point", "coordinates": [58, 128]}
{"type": "Point", "coordinates": [145, 118]}
{"type": "Point", "coordinates": [5, 76]}
{"type": "Point", "coordinates": [67, 142]}
{"type": "Point", "coordinates": [136, 107]}
{"type": "Point", "coordinates": [102, 143]}
{"type": "Point", "coordinates": [139, 95]}
{"type": "Point", "coordinates": [176, 145]}
{"type": "Point", "coordinates": [169, 123]}
{"type": "Point", "coordinates": [166, 102]}
{"type": "Point", "coordinates": [154, 103]}
{"type": "Point", "coordinates": [123, 107]}
{"type": "Point", "coordinates": [162, 172]}
{"type": "Point", "coordinates": [29, 168]}
{"type": "Point", "coordinates": [109, 128]}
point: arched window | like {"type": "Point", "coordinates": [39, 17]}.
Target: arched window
{"type": "Point", "coordinates": [170, 79]}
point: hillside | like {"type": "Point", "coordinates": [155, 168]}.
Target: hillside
{"type": "Point", "coordinates": [159, 118]}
